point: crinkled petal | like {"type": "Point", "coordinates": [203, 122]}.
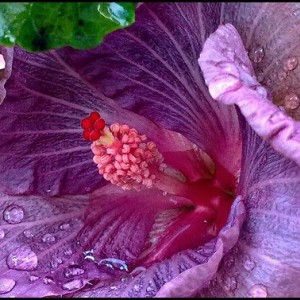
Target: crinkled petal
{"type": "Point", "coordinates": [266, 260]}
{"type": "Point", "coordinates": [229, 75]}
{"type": "Point", "coordinates": [271, 38]}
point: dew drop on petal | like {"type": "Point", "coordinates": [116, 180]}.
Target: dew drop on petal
{"type": "Point", "coordinates": [114, 263]}
{"type": "Point", "coordinates": [296, 12]}
{"type": "Point", "coordinates": [28, 233]}
{"type": "Point", "coordinates": [73, 270]}
{"type": "Point", "coordinates": [291, 101]}
{"type": "Point", "coordinates": [258, 291]}
{"type": "Point", "coordinates": [48, 238]}
{"type": "Point", "coordinates": [262, 91]}
{"type": "Point", "coordinates": [68, 252]}
{"type": "Point", "coordinates": [136, 288]}
{"type": "Point", "coordinates": [149, 289]}
{"type": "Point", "coordinates": [72, 285]}
{"type": "Point", "coordinates": [48, 280]}
{"type": "Point", "coordinates": [6, 285]}
{"type": "Point", "coordinates": [2, 234]}
{"type": "Point", "coordinates": [33, 278]}
{"type": "Point", "coordinates": [113, 287]}
{"type": "Point", "coordinates": [290, 64]}
{"type": "Point", "coordinates": [229, 284]}
{"type": "Point", "coordinates": [89, 255]}
{"type": "Point", "coordinates": [87, 188]}
{"type": "Point", "coordinates": [249, 264]}
{"type": "Point", "coordinates": [64, 226]}
{"type": "Point", "coordinates": [13, 214]}
{"type": "Point", "coordinates": [259, 54]}
{"type": "Point", "coordinates": [23, 258]}
{"type": "Point", "coordinates": [56, 262]}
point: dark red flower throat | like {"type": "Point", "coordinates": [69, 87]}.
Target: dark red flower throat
{"type": "Point", "coordinates": [127, 159]}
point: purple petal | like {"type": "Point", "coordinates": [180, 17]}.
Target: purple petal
{"type": "Point", "coordinates": [266, 260]}
{"type": "Point", "coordinates": [7, 54]}
{"type": "Point", "coordinates": [41, 148]}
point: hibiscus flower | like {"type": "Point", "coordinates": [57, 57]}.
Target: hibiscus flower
{"type": "Point", "coordinates": [211, 210]}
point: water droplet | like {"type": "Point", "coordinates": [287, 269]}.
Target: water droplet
{"type": "Point", "coordinates": [249, 264]}
{"type": "Point", "coordinates": [56, 262]}
{"type": "Point", "coordinates": [113, 287]}
{"type": "Point", "coordinates": [149, 289]}
{"type": "Point", "coordinates": [136, 288]}
{"type": "Point", "coordinates": [87, 188]}
{"type": "Point", "coordinates": [291, 101]}
{"type": "Point", "coordinates": [72, 285]}
{"type": "Point", "coordinates": [262, 91]}
{"type": "Point", "coordinates": [28, 233]}
{"type": "Point", "coordinates": [64, 226]}
{"type": "Point", "coordinates": [48, 280]}
{"type": "Point", "coordinates": [113, 263]}
{"type": "Point", "coordinates": [124, 279]}
{"type": "Point", "coordinates": [23, 258]}
{"type": "Point", "coordinates": [89, 255]}
{"type": "Point", "coordinates": [281, 75]}
{"type": "Point", "coordinates": [230, 284]}
{"type": "Point", "coordinates": [259, 54]}
{"type": "Point", "coordinates": [33, 278]}
{"type": "Point", "coordinates": [68, 252]}
{"type": "Point", "coordinates": [2, 234]}
{"type": "Point", "coordinates": [13, 214]}
{"type": "Point", "coordinates": [258, 291]}
{"type": "Point", "coordinates": [73, 270]}
{"type": "Point", "coordinates": [6, 285]}
{"type": "Point", "coordinates": [48, 191]}
{"type": "Point", "coordinates": [290, 64]}
{"type": "Point", "coordinates": [48, 238]}
{"type": "Point", "coordinates": [296, 12]}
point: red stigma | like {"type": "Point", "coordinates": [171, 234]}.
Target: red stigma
{"type": "Point", "coordinates": [86, 134]}
{"type": "Point", "coordinates": [95, 135]}
{"type": "Point", "coordinates": [99, 124]}
{"type": "Point", "coordinates": [94, 116]}
{"type": "Point", "coordinates": [86, 123]}
{"type": "Point", "coordinates": [93, 126]}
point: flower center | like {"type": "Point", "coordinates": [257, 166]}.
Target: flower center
{"type": "Point", "coordinates": [127, 159]}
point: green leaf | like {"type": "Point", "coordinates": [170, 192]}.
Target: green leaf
{"type": "Point", "coordinates": [42, 26]}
